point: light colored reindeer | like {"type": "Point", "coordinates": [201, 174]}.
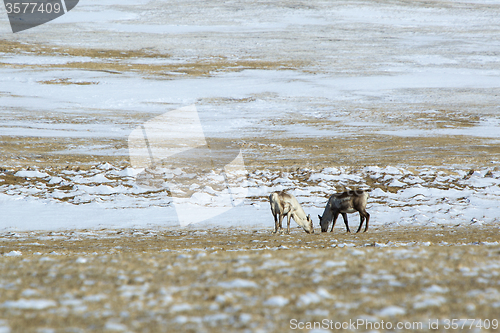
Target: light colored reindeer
{"type": "Point", "coordinates": [343, 203]}
{"type": "Point", "coordinates": [282, 204]}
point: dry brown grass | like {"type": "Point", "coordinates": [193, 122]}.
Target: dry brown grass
{"type": "Point", "coordinates": [117, 61]}
{"type": "Point", "coordinates": [370, 149]}
{"type": "Point", "coordinates": [173, 280]}
{"type": "Point", "coordinates": [68, 81]}
{"type": "Point", "coordinates": [53, 50]}
{"type": "Point", "coordinates": [266, 152]}
{"type": "Point", "coordinates": [59, 152]}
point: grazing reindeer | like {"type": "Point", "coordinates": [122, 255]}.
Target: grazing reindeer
{"type": "Point", "coordinates": [343, 203]}
{"type": "Point", "coordinates": [283, 204]}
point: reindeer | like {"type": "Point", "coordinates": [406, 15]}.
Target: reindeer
{"type": "Point", "coordinates": [282, 204]}
{"type": "Point", "coordinates": [343, 203]}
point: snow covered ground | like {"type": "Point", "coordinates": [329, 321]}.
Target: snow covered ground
{"type": "Point", "coordinates": [407, 85]}
{"type": "Point", "coordinates": [110, 196]}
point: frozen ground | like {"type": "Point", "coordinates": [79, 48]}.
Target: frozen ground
{"type": "Point", "coordinates": [401, 98]}
{"type": "Point", "coordinates": [110, 196]}
{"type": "Point", "coordinates": [292, 85]}
{"type": "Point", "coordinates": [244, 280]}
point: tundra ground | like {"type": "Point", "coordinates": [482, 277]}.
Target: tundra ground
{"type": "Point", "coordinates": [208, 280]}
{"type": "Point", "coordinates": [399, 97]}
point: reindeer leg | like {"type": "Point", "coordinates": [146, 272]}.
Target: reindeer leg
{"type": "Point", "coordinates": [367, 219]}
{"type": "Point", "coordinates": [361, 220]}
{"type": "Point", "coordinates": [288, 226]}
{"type": "Point", "coordinates": [275, 223]}
{"type": "Point", "coordinates": [280, 222]}
{"type": "Point", "coordinates": [344, 216]}
{"type": "Point", "coordinates": [335, 216]}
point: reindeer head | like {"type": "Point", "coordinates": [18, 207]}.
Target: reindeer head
{"type": "Point", "coordinates": [309, 228]}
{"type": "Point", "coordinates": [323, 223]}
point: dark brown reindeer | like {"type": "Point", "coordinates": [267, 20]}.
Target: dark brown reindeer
{"type": "Point", "coordinates": [343, 203]}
